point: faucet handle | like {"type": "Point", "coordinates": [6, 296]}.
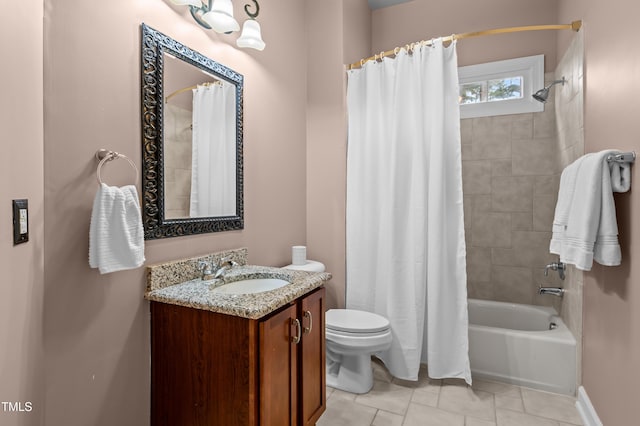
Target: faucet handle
{"type": "Point", "coordinates": [556, 266]}
{"type": "Point", "coordinates": [228, 260]}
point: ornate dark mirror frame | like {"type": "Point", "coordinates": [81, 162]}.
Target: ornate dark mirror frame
{"type": "Point", "coordinates": [154, 44]}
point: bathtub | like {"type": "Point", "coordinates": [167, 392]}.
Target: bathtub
{"type": "Point", "coordinates": [513, 343]}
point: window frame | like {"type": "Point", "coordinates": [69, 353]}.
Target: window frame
{"type": "Point", "coordinates": [530, 68]}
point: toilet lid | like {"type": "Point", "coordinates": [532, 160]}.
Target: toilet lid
{"type": "Point", "coordinates": [355, 321]}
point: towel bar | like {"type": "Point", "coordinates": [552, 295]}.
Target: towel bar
{"type": "Point", "coordinates": [104, 155]}
{"type": "Point", "coordinates": [623, 157]}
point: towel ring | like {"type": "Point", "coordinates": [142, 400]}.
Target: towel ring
{"type": "Point", "coordinates": [105, 156]}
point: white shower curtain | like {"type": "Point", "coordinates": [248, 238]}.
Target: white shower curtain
{"type": "Point", "coordinates": [213, 156]}
{"type": "Point", "coordinates": [405, 228]}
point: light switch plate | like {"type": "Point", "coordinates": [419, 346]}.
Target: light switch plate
{"type": "Point", "coordinates": [20, 221]}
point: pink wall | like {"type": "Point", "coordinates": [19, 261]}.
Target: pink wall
{"type": "Point", "coordinates": [611, 351]}
{"type": "Point", "coordinates": [337, 30]}
{"type": "Point", "coordinates": [21, 176]}
{"type": "Point", "coordinates": [97, 326]}
{"type": "Point", "coordinates": [423, 19]}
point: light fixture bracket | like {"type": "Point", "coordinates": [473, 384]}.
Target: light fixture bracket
{"type": "Point", "coordinates": [252, 15]}
{"type": "Point", "coordinates": [203, 13]}
{"type": "Point", "coordinates": [197, 13]}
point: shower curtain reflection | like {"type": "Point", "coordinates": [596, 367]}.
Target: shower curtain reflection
{"type": "Point", "coordinates": [405, 231]}
{"type": "Point", "coordinates": [213, 184]}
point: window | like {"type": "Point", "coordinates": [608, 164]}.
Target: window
{"type": "Point", "coordinates": [502, 87]}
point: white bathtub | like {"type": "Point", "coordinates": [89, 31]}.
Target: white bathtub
{"type": "Point", "coordinates": [512, 343]}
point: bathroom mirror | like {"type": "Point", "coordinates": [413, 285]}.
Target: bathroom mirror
{"type": "Point", "coordinates": [191, 141]}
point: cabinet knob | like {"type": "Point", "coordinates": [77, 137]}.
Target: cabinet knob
{"type": "Point", "coordinates": [307, 314]}
{"type": "Point", "coordinates": [296, 339]}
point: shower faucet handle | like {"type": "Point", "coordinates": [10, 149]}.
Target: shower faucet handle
{"type": "Point", "coordinates": [556, 266]}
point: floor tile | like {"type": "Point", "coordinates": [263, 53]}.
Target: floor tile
{"type": "Point", "coordinates": [466, 401]}
{"type": "Point", "coordinates": [421, 415]}
{"type": "Point", "coordinates": [448, 402]}
{"type": "Point", "coordinates": [472, 421]}
{"type": "Point", "coordinates": [512, 418]}
{"type": "Point", "coordinates": [337, 393]}
{"type": "Point", "coordinates": [497, 388]}
{"type": "Point", "coordinates": [342, 412]}
{"type": "Point", "coordinates": [425, 397]}
{"type": "Point", "coordinates": [557, 407]}
{"type": "Point", "coordinates": [509, 403]}
{"type": "Point", "coordinates": [387, 396]}
{"type": "Point", "coordinates": [385, 418]}
{"type": "Point", "coordinates": [329, 391]}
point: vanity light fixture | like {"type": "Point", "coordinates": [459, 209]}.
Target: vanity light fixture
{"type": "Point", "coordinates": [218, 16]}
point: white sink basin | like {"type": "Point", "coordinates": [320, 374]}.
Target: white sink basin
{"type": "Point", "coordinates": [251, 286]}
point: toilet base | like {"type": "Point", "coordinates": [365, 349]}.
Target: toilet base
{"type": "Point", "coordinates": [354, 372]}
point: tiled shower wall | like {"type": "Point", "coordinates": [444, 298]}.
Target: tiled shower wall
{"type": "Point", "coordinates": [510, 185]}
{"type": "Point", "coordinates": [570, 129]}
{"type": "Point", "coordinates": [511, 168]}
{"type": "Point", "coordinates": [177, 144]}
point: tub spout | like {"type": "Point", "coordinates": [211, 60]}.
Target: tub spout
{"type": "Point", "coordinates": [554, 291]}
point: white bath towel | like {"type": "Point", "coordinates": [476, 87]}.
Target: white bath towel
{"type": "Point", "coordinates": [116, 238]}
{"type": "Point", "coordinates": [584, 224]}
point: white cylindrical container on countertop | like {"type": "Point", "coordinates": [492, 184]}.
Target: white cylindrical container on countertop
{"type": "Point", "coordinates": [298, 255]}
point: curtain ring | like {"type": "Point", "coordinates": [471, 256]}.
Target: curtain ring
{"type": "Point", "coordinates": [433, 43]}
{"type": "Point", "coordinates": [362, 61]}
{"type": "Point", "coordinates": [396, 51]}
{"type": "Point", "coordinates": [381, 56]}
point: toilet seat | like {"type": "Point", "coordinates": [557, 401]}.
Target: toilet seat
{"type": "Point", "coordinates": [354, 322]}
{"type": "Point", "coordinates": [350, 331]}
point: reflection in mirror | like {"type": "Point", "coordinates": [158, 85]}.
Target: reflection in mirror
{"type": "Point", "coordinates": [192, 140]}
{"type": "Point", "coordinates": [199, 142]}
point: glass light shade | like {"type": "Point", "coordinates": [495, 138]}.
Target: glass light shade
{"type": "Point", "coordinates": [251, 36]}
{"type": "Point", "coordinates": [220, 17]}
{"type": "Point", "coordinates": [196, 3]}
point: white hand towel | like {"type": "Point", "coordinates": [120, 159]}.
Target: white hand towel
{"type": "Point", "coordinates": [620, 176]}
{"type": "Point", "coordinates": [584, 225]}
{"type": "Point", "coordinates": [116, 237]}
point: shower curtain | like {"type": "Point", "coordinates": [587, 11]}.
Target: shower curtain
{"type": "Point", "coordinates": [405, 228]}
{"type": "Point", "coordinates": [213, 152]}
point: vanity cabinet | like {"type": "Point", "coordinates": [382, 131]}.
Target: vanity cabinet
{"type": "Point", "coordinates": [214, 369]}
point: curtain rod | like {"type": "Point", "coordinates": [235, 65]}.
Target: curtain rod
{"type": "Point", "coordinates": [575, 26]}
{"type": "Point", "coordinates": [186, 89]}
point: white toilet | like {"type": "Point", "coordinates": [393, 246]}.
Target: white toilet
{"type": "Point", "coordinates": [352, 336]}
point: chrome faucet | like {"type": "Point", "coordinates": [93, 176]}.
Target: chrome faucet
{"type": "Point", "coordinates": [225, 264]}
{"type": "Point", "coordinates": [210, 270]}
{"type": "Point", "coordinates": [554, 291]}
{"type": "Point", "coordinates": [556, 266]}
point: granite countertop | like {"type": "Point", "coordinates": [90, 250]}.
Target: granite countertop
{"type": "Point", "coordinates": [198, 294]}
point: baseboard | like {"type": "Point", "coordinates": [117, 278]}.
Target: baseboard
{"type": "Point", "coordinates": [586, 410]}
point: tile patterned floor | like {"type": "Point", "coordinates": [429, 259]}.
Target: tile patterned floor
{"type": "Point", "coordinates": [428, 402]}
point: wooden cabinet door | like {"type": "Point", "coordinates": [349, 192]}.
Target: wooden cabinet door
{"type": "Point", "coordinates": [312, 358]}
{"type": "Point", "coordinates": [278, 367]}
